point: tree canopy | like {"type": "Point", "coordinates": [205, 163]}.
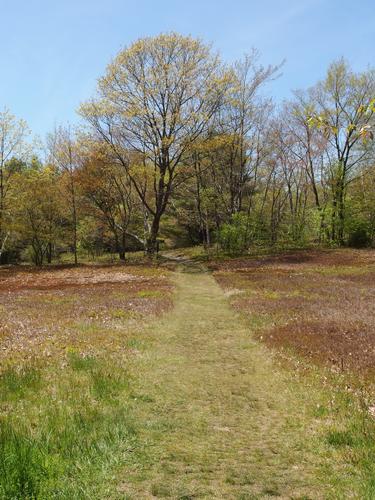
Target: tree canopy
{"type": "Point", "coordinates": [177, 146]}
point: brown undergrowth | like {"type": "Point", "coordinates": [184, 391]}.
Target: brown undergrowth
{"type": "Point", "coordinates": [319, 304]}
{"type": "Point", "coordinates": [52, 311]}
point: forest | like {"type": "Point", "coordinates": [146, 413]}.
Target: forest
{"type": "Point", "coordinates": [178, 148]}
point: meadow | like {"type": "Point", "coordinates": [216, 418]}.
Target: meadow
{"type": "Point", "coordinates": [187, 263]}
{"type": "Point", "coordinates": [317, 304]}
{"type": "Point", "coordinates": [240, 378]}
{"type": "Point", "coordinates": [68, 336]}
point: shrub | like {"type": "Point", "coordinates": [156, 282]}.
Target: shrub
{"type": "Point", "coordinates": [234, 236]}
{"type": "Point", "coordinates": [359, 237]}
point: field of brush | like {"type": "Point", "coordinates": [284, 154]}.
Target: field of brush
{"type": "Point", "coordinates": [67, 339]}
{"type": "Point", "coordinates": [315, 312]}
{"type": "Point", "coordinates": [319, 305]}
{"type": "Point", "coordinates": [253, 380]}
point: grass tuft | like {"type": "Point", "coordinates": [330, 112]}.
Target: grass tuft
{"type": "Point", "coordinates": [22, 467]}
{"type": "Point", "coordinates": [15, 382]}
{"type": "Point", "coordinates": [74, 437]}
{"type": "Point", "coordinates": [149, 294]}
{"type": "Point", "coordinates": [340, 438]}
{"type": "Point", "coordinates": [81, 363]}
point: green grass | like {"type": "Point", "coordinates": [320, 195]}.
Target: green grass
{"type": "Point", "coordinates": [15, 383]}
{"type": "Point", "coordinates": [80, 363]}
{"type": "Point", "coordinates": [340, 438]}
{"type": "Point", "coordinates": [106, 258]}
{"type": "Point", "coordinates": [199, 253]}
{"type": "Point", "coordinates": [199, 409]}
{"type": "Point", "coordinates": [63, 433]}
{"type": "Point", "coordinates": [147, 294]}
{"type": "Point", "coordinates": [225, 420]}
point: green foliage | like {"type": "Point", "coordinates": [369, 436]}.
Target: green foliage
{"type": "Point", "coordinates": [234, 236]}
{"type": "Point", "coordinates": [218, 166]}
{"type": "Point", "coordinates": [359, 236]}
{"type": "Point", "coordinates": [360, 212]}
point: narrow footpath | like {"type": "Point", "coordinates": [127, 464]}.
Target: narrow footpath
{"type": "Point", "coordinates": [218, 418]}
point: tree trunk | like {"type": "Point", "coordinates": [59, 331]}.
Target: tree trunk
{"type": "Point", "coordinates": [49, 253]}
{"type": "Point", "coordinates": [75, 237]}
{"type": "Point", "coordinates": [152, 243]}
{"type": "Point", "coordinates": [121, 253]}
{"type": "Point", "coordinates": [3, 244]}
{"type": "Point", "coordinates": [74, 218]}
{"type": "Point", "coordinates": [341, 217]}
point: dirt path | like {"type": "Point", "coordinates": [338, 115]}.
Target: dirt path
{"type": "Point", "coordinates": [217, 418]}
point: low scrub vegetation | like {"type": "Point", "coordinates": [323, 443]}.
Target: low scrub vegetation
{"type": "Point", "coordinates": [68, 338]}
{"type": "Point", "coordinates": [314, 309]}
{"type": "Point", "coordinates": [48, 312]}
{"type": "Point", "coordinates": [316, 303]}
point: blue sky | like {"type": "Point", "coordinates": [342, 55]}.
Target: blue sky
{"type": "Point", "coordinates": [52, 51]}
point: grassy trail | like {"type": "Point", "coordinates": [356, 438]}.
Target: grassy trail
{"type": "Point", "coordinates": [217, 418]}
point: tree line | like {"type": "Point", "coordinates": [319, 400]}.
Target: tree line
{"type": "Point", "coordinates": [178, 146]}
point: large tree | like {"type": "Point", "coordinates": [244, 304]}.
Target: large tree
{"type": "Point", "coordinates": [154, 102]}
{"type": "Point", "coordinates": [108, 192]}
{"type": "Point", "coordinates": [37, 209]}
{"type": "Point", "coordinates": [342, 109]}
{"type": "Point", "coordinates": [13, 148]}
{"type": "Point", "coordinates": [242, 122]}
{"type": "Point", "coordinates": [64, 156]}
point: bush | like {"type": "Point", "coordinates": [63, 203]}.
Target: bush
{"type": "Point", "coordinates": [234, 236]}
{"type": "Point", "coordinates": [359, 237]}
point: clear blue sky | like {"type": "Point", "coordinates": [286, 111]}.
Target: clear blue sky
{"type": "Point", "coordinates": [52, 51]}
